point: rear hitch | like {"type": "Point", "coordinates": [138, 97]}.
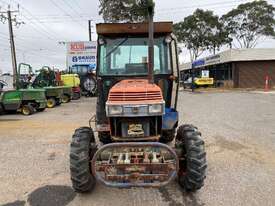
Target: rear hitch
{"type": "Point", "coordinates": [135, 165]}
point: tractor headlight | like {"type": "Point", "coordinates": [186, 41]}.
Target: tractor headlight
{"type": "Point", "coordinates": [156, 109]}
{"type": "Point", "coordinates": [115, 110]}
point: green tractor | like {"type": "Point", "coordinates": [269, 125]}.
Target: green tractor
{"type": "Point", "coordinates": [42, 81]}
{"type": "Point", "coordinates": [27, 101]}
{"type": "Point", "coordinates": [50, 79]}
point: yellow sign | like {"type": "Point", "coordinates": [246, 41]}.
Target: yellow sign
{"type": "Point", "coordinates": [204, 81]}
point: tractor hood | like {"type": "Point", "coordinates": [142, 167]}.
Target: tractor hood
{"type": "Point", "coordinates": [135, 91]}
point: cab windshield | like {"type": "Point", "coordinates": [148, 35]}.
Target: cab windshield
{"type": "Point", "coordinates": [129, 57]}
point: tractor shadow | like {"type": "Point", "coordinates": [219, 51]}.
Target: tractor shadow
{"type": "Point", "coordinates": [50, 195]}
{"type": "Point", "coordinates": [53, 195]}
{"type": "Point", "coordinates": [16, 203]}
{"type": "Point", "coordinates": [9, 120]}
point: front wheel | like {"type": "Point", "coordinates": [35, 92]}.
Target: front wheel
{"type": "Point", "coordinates": [27, 110]}
{"type": "Point", "coordinates": [83, 148]}
{"type": "Point", "coordinates": [66, 98]}
{"type": "Point", "coordinates": [51, 102]}
{"type": "Point", "coordinates": [192, 164]}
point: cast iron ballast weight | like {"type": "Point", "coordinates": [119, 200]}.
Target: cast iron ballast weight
{"type": "Point", "coordinates": [136, 115]}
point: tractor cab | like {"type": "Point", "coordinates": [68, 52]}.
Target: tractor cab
{"type": "Point", "coordinates": [137, 79]}
{"type": "Point", "coordinates": [130, 106]}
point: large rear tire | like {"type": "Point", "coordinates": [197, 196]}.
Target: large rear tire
{"type": "Point", "coordinates": [83, 148]}
{"type": "Point", "coordinates": [192, 171]}
{"type": "Point", "coordinates": [89, 85]}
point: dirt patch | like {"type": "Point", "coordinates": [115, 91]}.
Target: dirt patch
{"type": "Point", "coordinates": [229, 145]}
{"type": "Point", "coordinates": [188, 199]}
{"type": "Point", "coordinates": [51, 156]}
{"type": "Point", "coordinates": [167, 197]}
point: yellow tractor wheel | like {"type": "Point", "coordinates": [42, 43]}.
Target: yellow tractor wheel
{"type": "Point", "coordinates": [27, 110]}
{"type": "Point", "coordinates": [51, 103]}
{"type": "Point", "coordinates": [66, 99]}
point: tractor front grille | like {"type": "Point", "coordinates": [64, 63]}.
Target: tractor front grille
{"type": "Point", "coordinates": [135, 96]}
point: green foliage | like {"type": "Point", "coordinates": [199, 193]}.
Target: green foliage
{"type": "Point", "coordinates": [249, 22]}
{"type": "Point", "coordinates": [125, 10]}
{"type": "Point", "coordinates": [201, 31]}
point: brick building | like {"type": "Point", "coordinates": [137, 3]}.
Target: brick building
{"type": "Point", "coordinates": [239, 68]}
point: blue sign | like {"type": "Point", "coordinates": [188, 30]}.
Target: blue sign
{"type": "Point", "coordinates": [199, 62]}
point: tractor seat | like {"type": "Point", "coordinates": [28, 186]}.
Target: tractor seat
{"type": "Point", "coordinates": [139, 68]}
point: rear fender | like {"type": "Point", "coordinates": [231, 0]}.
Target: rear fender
{"type": "Point", "coordinates": [170, 119]}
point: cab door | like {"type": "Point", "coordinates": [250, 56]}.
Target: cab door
{"type": "Point", "coordinates": [175, 76]}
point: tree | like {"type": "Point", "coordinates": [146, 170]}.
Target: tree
{"type": "Point", "coordinates": [124, 10]}
{"type": "Point", "coordinates": [249, 22]}
{"type": "Point", "coordinates": [201, 31]}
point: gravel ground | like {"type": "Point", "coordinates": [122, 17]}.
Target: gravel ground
{"type": "Point", "coordinates": [238, 128]}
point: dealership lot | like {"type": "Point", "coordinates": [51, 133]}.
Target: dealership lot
{"type": "Point", "coordinates": [238, 128]}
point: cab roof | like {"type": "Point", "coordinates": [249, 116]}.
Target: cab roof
{"type": "Point", "coordinates": [133, 28]}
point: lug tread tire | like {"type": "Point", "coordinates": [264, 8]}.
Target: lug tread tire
{"type": "Point", "coordinates": [82, 149]}
{"type": "Point", "coordinates": [193, 146]}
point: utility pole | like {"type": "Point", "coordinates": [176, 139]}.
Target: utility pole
{"type": "Point", "coordinates": [7, 15]}
{"type": "Point", "coordinates": [90, 30]}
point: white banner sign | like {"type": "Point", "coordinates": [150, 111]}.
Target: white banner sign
{"type": "Point", "coordinates": [81, 53]}
{"type": "Point", "coordinates": [205, 73]}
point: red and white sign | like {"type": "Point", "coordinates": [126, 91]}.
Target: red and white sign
{"type": "Point", "coordinates": [81, 53]}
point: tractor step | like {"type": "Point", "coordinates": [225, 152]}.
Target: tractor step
{"type": "Point", "coordinates": [135, 164]}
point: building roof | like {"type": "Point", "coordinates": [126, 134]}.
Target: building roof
{"type": "Point", "coordinates": [234, 55]}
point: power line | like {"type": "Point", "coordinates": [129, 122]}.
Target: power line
{"type": "Point", "coordinates": [64, 11]}
{"type": "Point", "coordinates": [180, 12]}
{"type": "Point", "coordinates": [23, 48]}
{"type": "Point", "coordinates": [202, 5]}
{"type": "Point", "coordinates": [34, 23]}
{"type": "Point", "coordinates": [71, 7]}
{"type": "Point", "coordinates": [80, 8]}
